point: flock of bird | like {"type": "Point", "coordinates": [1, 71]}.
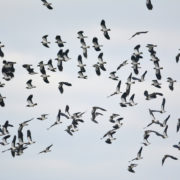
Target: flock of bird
{"type": "Point", "coordinates": [8, 71]}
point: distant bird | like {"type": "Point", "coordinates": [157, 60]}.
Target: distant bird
{"type": "Point", "coordinates": [47, 149]}
{"type": "Point", "coordinates": [123, 102]}
{"type": "Point", "coordinates": [60, 87]}
{"type": "Point", "coordinates": [43, 117]}
{"type": "Point", "coordinates": [80, 35]}
{"type": "Point", "coordinates": [149, 4]}
{"type": "Point", "coordinates": [4, 140]}
{"type": "Point", "coordinates": [48, 5]}
{"type": "Point", "coordinates": [94, 114]}
{"type": "Point", "coordinates": [131, 101]}
{"type": "Point", "coordinates": [1, 52]}
{"type": "Point", "coordinates": [29, 84]}
{"type": "Point", "coordinates": [117, 89]}
{"type": "Point", "coordinates": [29, 138]}
{"type": "Point", "coordinates": [168, 156]}
{"type": "Point", "coordinates": [29, 69]}
{"type": "Point", "coordinates": [2, 104]}
{"type": "Point", "coordinates": [30, 102]}
{"type": "Point", "coordinates": [110, 134]}
{"type": "Point", "coordinates": [101, 63]}
{"type": "Point", "coordinates": [96, 44]}
{"type": "Point", "coordinates": [23, 124]}
{"type": "Point", "coordinates": [130, 168]}
{"type": "Point", "coordinates": [164, 135]}
{"type": "Point", "coordinates": [81, 75]}
{"type": "Point", "coordinates": [84, 47]}
{"type": "Point", "coordinates": [50, 66]}
{"type": "Point", "coordinates": [97, 69]}
{"type": "Point", "coordinates": [142, 77]}
{"type": "Point", "coordinates": [177, 146]}
{"type": "Point", "coordinates": [122, 64]}
{"type": "Point", "coordinates": [111, 118]}
{"type": "Point", "coordinates": [152, 95]}
{"type": "Point", "coordinates": [69, 130]}
{"type": "Point", "coordinates": [138, 155]}
{"type": "Point", "coordinates": [45, 41]}
{"type": "Point", "coordinates": [42, 67]}
{"type": "Point", "coordinates": [156, 84]}
{"type": "Point", "coordinates": [171, 83]}
{"type": "Point", "coordinates": [45, 78]}
{"type": "Point", "coordinates": [138, 33]}
{"type": "Point", "coordinates": [113, 75]}
{"type": "Point", "coordinates": [177, 57]}
{"type": "Point", "coordinates": [59, 41]}
{"type": "Point", "coordinates": [80, 64]}
{"type": "Point", "coordinates": [104, 29]}
{"type": "Point", "coordinates": [178, 125]}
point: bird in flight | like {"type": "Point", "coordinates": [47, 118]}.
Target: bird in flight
{"type": "Point", "coordinates": [149, 4]}
{"type": "Point", "coordinates": [168, 156]}
{"type": "Point", "coordinates": [47, 149]}
{"type": "Point", "coordinates": [138, 33]}
{"type": "Point", "coordinates": [48, 5]}
{"type": "Point", "coordinates": [105, 29]}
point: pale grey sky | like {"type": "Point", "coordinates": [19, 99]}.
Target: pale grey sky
{"type": "Point", "coordinates": [85, 156]}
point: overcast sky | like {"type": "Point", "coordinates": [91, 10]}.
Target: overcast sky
{"type": "Point", "coordinates": [85, 155]}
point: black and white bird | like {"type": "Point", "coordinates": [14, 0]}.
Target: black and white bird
{"type": "Point", "coordinates": [168, 156]}
{"type": "Point", "coordinates": [84, 48]}
{"type": "Point", "coordinates": [117, 89]}
{"type": "Point", "coordinates": [61, 84]}
{"type": "Point", "coordinates": [177, 146]}
{"type": "Point", "coordinates": [47, 149]}
{"type": "Point", "coordinates": [101, 62]}
{"type": "Point", "coordinates": [138, 33]}
{"type": "Point", "coordinates": [29, 84]}
{"type": "Point", "coordinates": [131, 166]}
{"type": "Point", "coordinates": [97, 69]}
{"type": "Point", "coordinates": [177, 57]}
{"type": "Point", "coordinates": [30, 141]}
{"type": "Point", "coordinates": [80, 64]}
{"type": "Point", "coordinates": [109, 134]}
{"type": "Point", "coordinates": [45, 78]}
{"type": "Point", "coordinates": [149, 4]}
{"type": "Point", "coordinates": [81, 35]}
{"type": "Point", "coordinates": [43, 117]}
{"type": "Point", "coordinates": [96, 45]}
{"type": "Point", "coordinates": [124, 63]}
{"type": "Point", "coordinates": [105, 29]}
{"type": "Point", "coordinates": [123, 102]}
{"type": "Point", "coordinates": [29, 69]}
{"type": "Point", "coordinates": [113, 75]}
{"type": "Point", "coordinates": [2, 84]}
{"type": "Point", "coordinates": [142, 77]}
{"type": "Point", "coordinates": [50, 66]}
{"type": "Point", "coordinates": [2, 104]}
{"type": "Point", "coordinates": [30, 102]}
{"type": "Point", "coordinates": [59, 41]}
{"type": "Point", "coordinates": [1, 52]}
{"type": "Point", "coordinates": [131, 101]}
{"type": "Point", "coordinates": [94, 113]}
{"type": "Point", "coordinates": [44, 41]}
{"type": "Point", "coordinates": [138, 155]}
{"type": "Point", "coordinates": [81, 75]}
{"type": "Point", "coordinates": [48, 5]}
{"type": "Point", "coordinates": [152, 95]}
{"type": "Point", "coordinates": [171, 83]}
{"type": "Point", "coordinates": [156, 84]}
{"type": "Point", "coordinates": [4, 140]}
{"type": "Point", "coordinates": [24, 123]}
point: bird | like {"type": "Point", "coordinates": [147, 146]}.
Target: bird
{"type": "Point", "coordinates": [29, 69]}
{"type": "Point", "coordinates": [47, 149]}
{"type": "Point", "coordinates": [156, 84]}
{"type": "Point", "coordinates": [122, 64]}
{"type": "Point", "coordinates": [131, 101]}
{"type": "Point", "coordinates": [60, 87]}
{"type": "Point", "coordinates": [50, 66]}
{"type": "Point", "coordinates": [2, 84]}
{"type": "Point", "coordinates": [131, 166]}
{"type": "Point", "coordinates": [1, 52]}
{"type": "Point", "coordinates": [48, 5]}
{"type": "Point", "coordinates": [113, 75]}
{"type": "Point", "coordinates": [101, 63]}
{"type": "Point", "coordinates": [80, 35]}
{"type": "Point", "coordinates": [80, 64]}
{"type": "Point", "coordinates": [177, 146]}
{"type": "Point", "coordinates": [94, 114]}
{"type": "Point", "coordinates": [149, 4]}
{"type": "Point", "coordinates": [168, 156]}
{"type": "Point", "coordinates": [138, 33]}
{"type": "Point", "coordinates": [29, 138]}
{"type": "Point", "coordinates": [44, 41]}
{"type": "Point", "coordinates": [142, 77]}
{"type": "Point", "coordinates": [84, 47]}
{"type": "Point", "coordinates": [97, 69]}
{"type": "Point", "coordinates": [41, 67]}
{"type": "Point", "coordinates": [138, 155]}
{"type": "Point", "coordinates": [110, 134]}
{"type": "Point", "coordinates": [45, 78]}
{"type": "Point", "coordinates": [178, 125]}
{"type": "Point", "coordinates": [30, 102]}
{"type": "Point", "coordinates": [152, 95]}
{"type": "Point", "coordinates": [177, 57]}
{"type": "Point", "coordinates": [59, 41]}
{"type": "Point", "coordinates": [81, 75]}
{"type": "Point", "coordinates": [4, 140]}
{"type": "Point", "coordinates": [123, 100]}
{"type": "Point", "coordinates": [43, 117]}
{"type": "Point", "coordinates": [117, 89]}
{"type": "Point", "coordinates": [29, 84]}
{"type": "Point", "coordinates": [104, 29]}
{"type": "Point", "coordinates": [2, 104]}
{"type": "Point", "coordinates": [96, 44]}
{"type": "Point", "coordinates": [23, 124]}
{"type": "Point", "coordinates": [171, 83]}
